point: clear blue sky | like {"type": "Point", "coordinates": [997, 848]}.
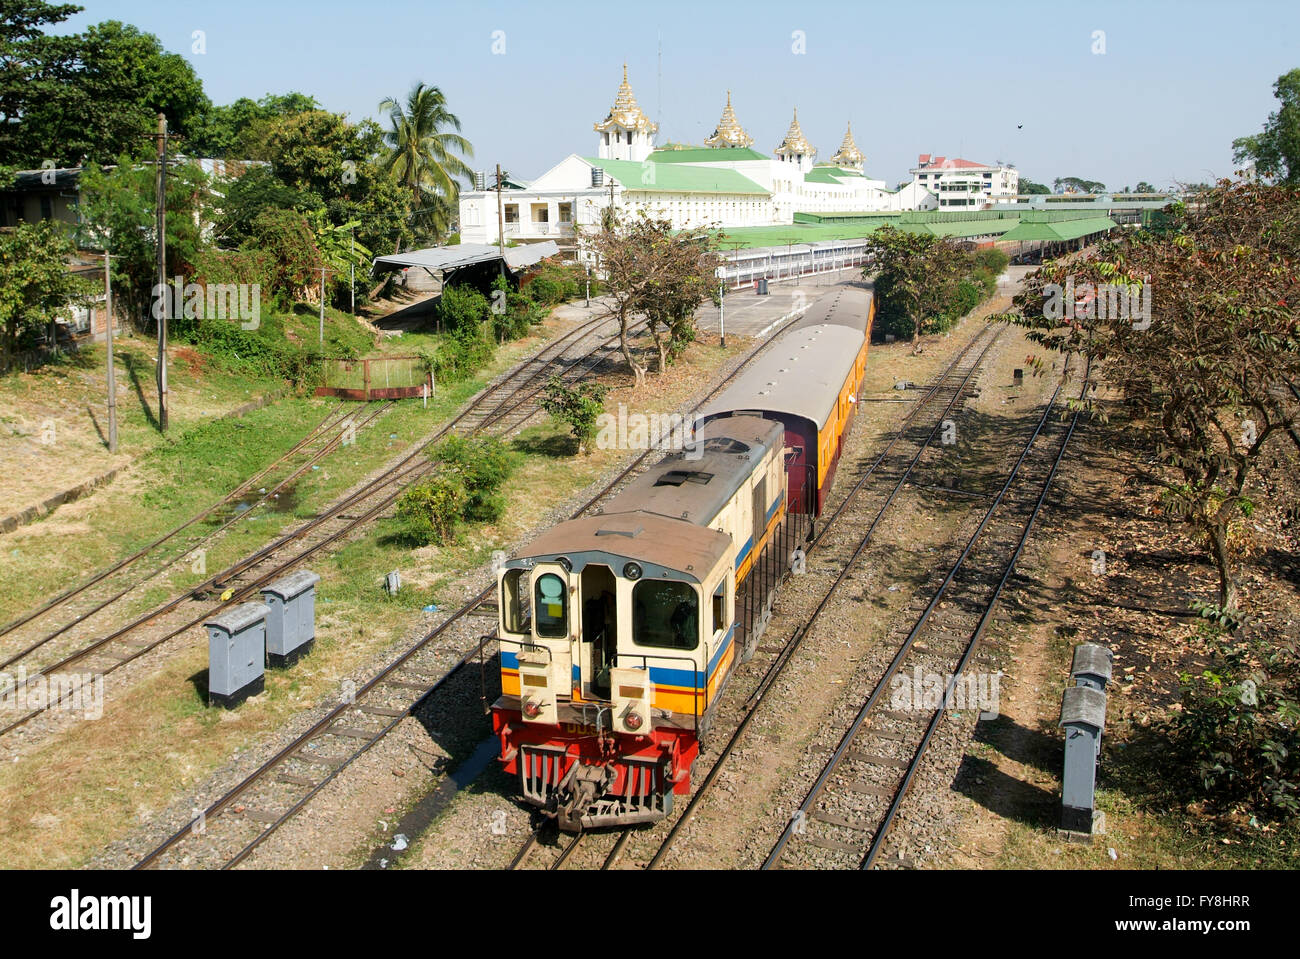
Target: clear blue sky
{"type": "Point", "coordinates": [1176, 83]}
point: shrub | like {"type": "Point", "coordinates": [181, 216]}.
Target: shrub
{"type": "Point", "coordinates": [431, 510]}
{"type": "Point", "coordinates": [462, 309]}
{"type": "Point", "coordinates": [482, 465]}
{"type": "Point", "coordinates": [579, 407]}
{"type": "Point", "coordinates": [460, 355]}
{"type": "Point", "coordinates": [991, 260]}
{"type": "Point", "coordinates": [1237, 729]}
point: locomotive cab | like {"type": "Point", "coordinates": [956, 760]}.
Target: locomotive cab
{"type": "Point", "coordinates": [611, 654]}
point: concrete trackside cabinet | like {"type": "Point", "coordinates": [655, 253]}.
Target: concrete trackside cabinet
{"type": "Point", "coordinates": [291, 622]}
{"type": "Point", "coordinates": [236, 654]}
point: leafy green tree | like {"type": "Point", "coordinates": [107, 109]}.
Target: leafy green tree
{"type": "Point", "coordinates": [118, 210]}
{"type": "Point", "coordinates": [335, 164]}
{"type": "Point", "coordinates": [288, 241]}
{"type": "Point", "coordinates": [255, 191]}
{"type": "Point", "coordinates": [1275, 151]}
{"type": "Point", "coordinates": [108, 104]}
{"type": "Point", "coordinates": [1144, 187]}
{"type": "Point", "coordinates": [238, 131]}
{"type": "Point", "coordinates": [34, 280]}
{"type": "Point", "coordinates": [35, 69]}
{"type": "Point", "coordinates": [917, 278]}
{"type": "Point", "coordinates": [1079, 185]}
{"type": "Point", "coordinates": [1030, 187]}
{"type": "Point", "coordinates": [1205, 361]}
{"type": "Point", "coordinates": [423, 144]}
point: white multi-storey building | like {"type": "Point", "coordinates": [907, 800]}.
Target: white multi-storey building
{"type": "Point", "coordinates": [963, 184]}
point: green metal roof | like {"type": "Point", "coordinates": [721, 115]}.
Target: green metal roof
{"type": "Point", "coordinates": [1058, 230]}
{"type": "Point", "coordinates": [826, 173]}
{"type": "Point", "coordinates": [676, 178]}
{"type": "Point", "coordinates": [845, 216]}
{"type": "Point", "coordinates": [706, 155]}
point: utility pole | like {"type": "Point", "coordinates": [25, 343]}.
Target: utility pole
{"type": "Point", "coordinates": [112, 377]}
{"type": "Point", "coordinates": [722, 299]}
{"type": "Point", "coordinates": [162, 271]}
{"type": "Point", "coordinates": [322, 311]}
{"type": "Point", "coordinates": [501, 223]}
{"type": "Point", "coordinates": [352, 269]}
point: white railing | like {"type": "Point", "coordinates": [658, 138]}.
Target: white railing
{"type": "Point", "coordinates": [775, 263]}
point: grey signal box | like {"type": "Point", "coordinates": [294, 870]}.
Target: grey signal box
{"type": "Point", "coordinates": [236, 654]}
{"type": "Point", "coordinates": [291, 622]}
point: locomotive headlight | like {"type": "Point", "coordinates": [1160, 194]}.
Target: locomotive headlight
{"type": "Point", "coordinates": [532, 708]}
{"type": "Point", "coordinates": [633, 720]}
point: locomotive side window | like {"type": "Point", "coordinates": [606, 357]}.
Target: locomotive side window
{"type": "Point", "coordinates": [514, 602]}
{"type": "Point", "coordinates": [666, 614]}
{"type": "Point", "coordinates": [552, 604]}
{"type": "Point", "coordinates": [720, 607]}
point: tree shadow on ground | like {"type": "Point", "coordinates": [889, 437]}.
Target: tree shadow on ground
{"type": "Point", "coordinates": [552, 445]}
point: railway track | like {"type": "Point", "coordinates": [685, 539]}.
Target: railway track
{"type": "Point", "coordinates": [281, 787]}
{"type": "Point", "coordinates": [60, 599]}
{"type": "Point", "coordinates": [502, 406]}
{"type": "Point", "coordinates": [846, 816]}
{"type": "Point", "coordinates": [332, 432]}
{"type": "Point", "coordinates": [906, 446]}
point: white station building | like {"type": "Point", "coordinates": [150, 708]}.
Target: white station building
{"type": "Point", "coordinates": [725, 184]}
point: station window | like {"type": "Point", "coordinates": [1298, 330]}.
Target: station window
{"type": "Point", "coordinates": [551, 602]}
{"type": "Point", "coordinates": [515, 605]}
{"type": "Point", "coordinates": [665, 614]}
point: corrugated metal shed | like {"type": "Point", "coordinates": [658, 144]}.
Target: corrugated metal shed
{"type": "Point", "coordinates": [467, 254]}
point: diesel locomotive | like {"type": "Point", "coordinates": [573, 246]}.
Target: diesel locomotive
{"type": "Point", "coordinates": [619, 630]}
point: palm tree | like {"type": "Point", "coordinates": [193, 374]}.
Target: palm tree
{"type": "Point", "coordinates": [423, 156]}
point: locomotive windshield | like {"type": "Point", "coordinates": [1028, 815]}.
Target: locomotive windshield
{"type": "Point", "coordinates": [665, 613]}
{"type": "Point", "coordinates": [551, 604]}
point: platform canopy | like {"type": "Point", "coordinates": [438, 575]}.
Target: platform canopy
{"type": "Point", "coordinates": [445, 258]}
{"type": "Point", "coordinates": [1058, 231]}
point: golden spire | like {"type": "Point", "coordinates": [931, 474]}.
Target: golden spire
{"type": "Point", "coordinates": [625, 113]}
{"type": "Point", "coordinates": [849, 155]}
{"type": "Point", "coordinates": [729, 132]}
{"type": "Point", "coordinates": [794, 141]}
